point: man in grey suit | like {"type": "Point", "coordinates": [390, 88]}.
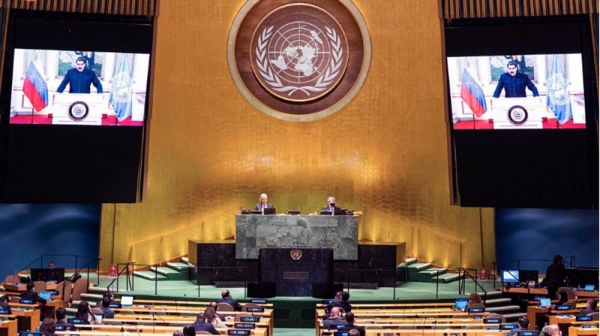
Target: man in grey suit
{"type": "Point", "coordinates": [264, 203]}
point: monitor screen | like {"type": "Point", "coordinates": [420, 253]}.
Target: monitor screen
{"type": "Point", "coordinates": [56, 274]}
{"type": "Point", "coordinates": [510, 276]}
{"type": "Point", "coordinates": [545, 303]}
{"type": "Point", "coordinates": [3, 311]}
{"type": "Point", "coordinates": [269, 211]}
{"type": "Point", "coordinates": [78, 88]}
{"type": "Point", "coordinates": [527, 276]}
{"type": "Point", "coordinates": [126, 301]}
{"type": "Point", "coordinates": [46, 295]}
{"type": "Point", "coordinates": [99, 318]}
{"type": "Point", "coordinates": [589, 287]}
{"type": "Point", "coordinates": [461, 304]}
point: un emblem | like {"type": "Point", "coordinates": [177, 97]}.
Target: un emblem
{"type": "Point", "coordinates": [78, 111]}
{"type": "Point", "coordinates": [557, 89]}
{"type": "Point", "coordinates": [299, 61]}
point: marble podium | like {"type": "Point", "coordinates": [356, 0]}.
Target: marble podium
{"type": "Point", "coordinates": [254, 232]}
{"type": "Point", "coordinates": [295, 270]}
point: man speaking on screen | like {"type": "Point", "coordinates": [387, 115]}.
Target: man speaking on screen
{"type": "Point", "coordinates": [80, 79]}
{"type": "Point", "coordinates": [513, 82]}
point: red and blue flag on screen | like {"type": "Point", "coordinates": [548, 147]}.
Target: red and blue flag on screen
{"type": "Point", "coordinates": [558, 98]}
{"type": "Point", "coordinates": [35, 87]}
{"type": "Point", "coordinates": [121, 92]}
{"type": "Point", "coordinates": [472, 94]}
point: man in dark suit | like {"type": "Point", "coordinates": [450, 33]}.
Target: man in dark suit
{"type": "Point", "coordinates": [334, 318]}
{"type": "Point", "coordinates": [341, 301]}
{"type": "Point", "coordinates": [4, 304]}
{"type": "Point", "coordinates": [30, 294]}
{"type": "Point", "coordinates": [555, 276]}
{"type": "Point", "coordinates": [202, 325]}
{"type": "Point", "coordinates": [590, 307]}
{"type": "Point", "coordinates": [226, 298]}
{"type": "Point", "coordinates": [351, 326]}
{"type": "Point", "coordinates": [264, 203]}
{"type": "Point", "coordinates": [61, 319]}
{"type": "Point", "coordinates": [330, 205]}
{"type": "Point", "coordinates": [514, 83]}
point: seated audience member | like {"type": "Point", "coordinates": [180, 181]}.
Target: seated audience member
{"type": "Point", "coordinates": [106, 311]}
{"type": "Point", "coordinates": [523, 325]}
{"type": "Point", "coordinates": [551, 330]}
{"type": "Point", "coordinates": [335, 317]}
{"type": "Point", "coordinates": [341, 301]}
{"type": "Point", "coordinates": [475, 301]}
{"type": "Point", "coordinates": [226, 298]}
{"type": "Point", "coordinates": [179, 333]}
{"type": "Point", "coordinates": [353, 332]}
{"type": "Point", "coordinates": [590, 307]}
{"type": "Point", "coordinates": [562, 298]}
{"type": "Point", "coordinates": [61, 319]}
{"type": "Point", "coordinates": [210, 315]}
{"type": "Point", "coordinates": [214, 305]}
{"type": "Point", "coordinates": [51, 265]}
{"type": "Point", "coordinates": [30, 294]}
{"type": "Point", "coordinates": [48, 327]}
{"type": "Point", "coordinates": [4, 304]}
{"type": "Point", "coordinates": [351, 326]}
{"type": "Point", "coordinates": [189, 330]}
{"type": "Point", "coordinates": [84, 312]}
{"type": "Point", "coordinates": [202, 325]}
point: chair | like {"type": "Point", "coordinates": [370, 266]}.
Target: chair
{"type": "Point", "coordinates": [80, 286]}
{"type": "Point", "coordinates": [476, 305]}
{"type": "Point", "coordinates": [594, 315]}
{"type": "Point", "coordinates": [202, 332]}
{"type": "Point", "coordinates": [566, 291]}
{"type": "Point", "coordinates": [39, 286]}
{"type": "Point", "coordinates": [238, 317]}
{"type": "Point", "coordinates": [496, 315]}
{"type": "Point", "coordinates": [15, 299]}
{"type": "Point", "coordinates": [13, 278]}
{"type": "Point", "coordinates": [224, 307]}
{"type": "Point", "coordinates": [250, 305]}
{"type": "Point", "coordinates": [67, 297]}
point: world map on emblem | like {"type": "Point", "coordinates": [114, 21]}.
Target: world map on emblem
{"type": "Point", "coordinates": [300, 56]}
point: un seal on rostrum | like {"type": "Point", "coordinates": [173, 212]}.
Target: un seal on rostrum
{"type": "Point", "coordinates": [294, 61]}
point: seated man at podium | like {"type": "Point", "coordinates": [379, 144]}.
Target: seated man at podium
{"type": "Point", "coordinates": [80, 79]}
{"type": "Point", "coordinates": [264, 203]}
{"type": "Point", "coordinates": [513, 82]}
{"type": "Point", "coordinates": [330, 204]}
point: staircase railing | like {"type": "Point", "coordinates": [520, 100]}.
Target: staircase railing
{"type": "Point", "coordinates": [128, 267]}
{"type": "Point", "coordinates": [76, 259]}
{"type": "Point", "coordinates": [462, 286]}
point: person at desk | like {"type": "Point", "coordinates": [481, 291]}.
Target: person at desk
{"type": "Point", "coordinates": [330, 205]}
{"type": "Point", "coordinates": [106, 311]}
{"type": "Point", "coordinates": [202, 325]}
{"type": "Point", "coordinates": [61, 319]}
{"type": "Point", "coordinates": [523, 324]}
{"type": "Point", "coordinates": [226, 298]}
{"type": "Point", "coordinates": [30, 294]}
{"type": "Point", "coordinates": [4, 304]}
{"type": "Point", "coordinates": [555, 276]}
{"type": "Point", "coordinates": [551, 330]}
{"type": "Point", "coordinates": [341, 301]}
{"type": "Point", "coordinates": [85, 312]}
{"type": "Point", "coordinates": [590, 307]}
{"type": "Point", "coordinates": [210, 315]}
{"type": "Point", "coordinates": [48, 327]}
{"type": "Point", "coordinates": [351, 326]}
{"type": "Point", "coordinates": [51, 265]}
{"type": "Point", "coordinates": [475, 301]}
{"type": "Point", "coordinates": [215, 306]}
{"type": "Point", "coordinates": [335, 317]}
{"type": "Point", "coordinates": [264, 203]}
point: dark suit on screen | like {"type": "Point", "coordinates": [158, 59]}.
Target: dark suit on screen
{"type": "Point", "coordinates": [259, 206]}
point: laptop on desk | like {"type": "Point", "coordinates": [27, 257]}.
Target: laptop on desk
{"type": "Point", "coordinates": [589, 288]}
{"type": "Point", "coordinates": [46, 295]}
{"type": "Point", "coordinates": [545, 303]}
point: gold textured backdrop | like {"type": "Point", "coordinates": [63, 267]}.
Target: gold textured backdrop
{"type": "Point", "coordinates": [211, 152]}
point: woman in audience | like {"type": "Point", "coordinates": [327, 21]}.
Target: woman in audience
{"type": "Point", "coordinates": [84, 312]}
{"type": "Point", "coordinates": [48, 327]}
{"type": "Point", "coordinates": [475, 301]}
{"type": "Point", "coordinates": [189, 330]}
{"type": "Point", "coordinates": [211, 317]}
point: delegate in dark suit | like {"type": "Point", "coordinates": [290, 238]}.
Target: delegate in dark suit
{"type": "Point", "coordinates": [514, 83]}
{"type": "Point", "coordinates": [260, 206]}
{"type": "Point", "coordinates": [555, 276]}
{"type": "Point", "coordinates": [80, 79]}
{"type": "Point", "coordinates": [205, 326]}
{"type": "Point", "coordinates": [350, 325]}
{"type": "Point", "coordinates": [226, 298]}
{"type": "Point", "coordinates": [30, 294]}
{"type": "Point", "coordinates": [591, 306]}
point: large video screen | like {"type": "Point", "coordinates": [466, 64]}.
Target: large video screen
{"type": "Point", "coordinates": [65, 87]}
{"type": "Point", "coordinates": [517, 92]}
{"type": "Point", "coordinates": [522, 99]}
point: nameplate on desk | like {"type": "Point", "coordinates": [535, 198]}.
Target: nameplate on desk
{"type": "Point", "coordinates": [341, 333]}
{"type": "Point", "coordinates": [24, 301]}
{"type": "Point", "coordinates": [258, 301]}
{"type": "Point", "coordinates": [76, 321]}
{"type": "Point", "coordinates": [528, 333]}
{"type": "Point", "coordinates": [114, 305]}
{"type": "Point", "coordinates": [476, 310]}
{"type": "Point", "coordinates": [61, 327]}
{"type": "Point", "coordinates": [583, 318]}
{"type": "Point", "coordinates": [53, 292]}
{"type": "Point", "coordinates": [492, 320]}
{"type": "Point", "coordinates": [565, 307]}
{"type": "Point", "coordinates": [508, 326]}
{"type": "Point", "coordinates": [238, 332]}
{"type": "Point", "coordinates": [255, 309]}
{"type": "Point", "coordinates": [250, 319]}
{"type": "Point", "coordinates": [27, 333]}
{"type": "Point", "coordinates": [586, 326]}
{"type": "Point", "coordinates": [493, 328]}
{"type": "Point", "coordinates": [328, 301]}
{"type": "Point", "coordinates": [4, 312]}
{"type": "Point", "coordinates": [244, 325]}
{"type": "Point", "coordinates": [335, 326]}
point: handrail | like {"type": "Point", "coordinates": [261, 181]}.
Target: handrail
{"type": "Point", "coordinates": [462, 286]}
{"type": "Point", "coordinates": [360, 271]}
{"type": "Point", "coordinates": [75, 256]}
{"type": "Point", "coordinates": [225, 267]}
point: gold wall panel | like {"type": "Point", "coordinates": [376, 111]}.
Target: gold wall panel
{"type": "Point", "coordinates": [211, 152]}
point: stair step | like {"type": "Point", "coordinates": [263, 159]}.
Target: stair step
{"type": "Point", "coordinates": [100, 290]}
{"type": "Point", "coordinates": [178, 266]}
{"type": "Point", "coordinates": [409, 261]}
{"type": "Point", "coordinates": [90, 297]}
{"type": "Point", "coordinates": [148, 275]}
{"type": "Point", "coordinates": [420, 266]}
{"type": "Point", "coordinates": [492, 302]}
{"type": "Point", "coordinates": [185, 260]}
{"type": "Point", "coordinates": [514, 316]}
{"type": "Point", "coordinates": [433, 271]}
{"type": "Point", "coordinates": [364, 285]}
{"type": "Point", "coordinates": [163, 270]}
{"type": "Point", "coordinates": [450, 277]}
{"type": "Point", "coordinates": [502, 309]}
{"type": "Point", "coordinates": [229, 284]}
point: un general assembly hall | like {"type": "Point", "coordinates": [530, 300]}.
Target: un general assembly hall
{"type": "Point", "coordinates": [299, 167]}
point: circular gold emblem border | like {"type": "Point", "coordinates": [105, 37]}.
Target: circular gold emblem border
{"type": "Point", "coordinates": [356, 86]}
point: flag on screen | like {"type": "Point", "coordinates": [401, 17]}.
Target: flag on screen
{"type": "Point", "coordinates": [121, 92]}
{"type": "Point", "coordinates": [35, 87]}
{"type": "Point", "coordinates": [472, 94]}
{"type": "Point", "coordinates": [558, 98]}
